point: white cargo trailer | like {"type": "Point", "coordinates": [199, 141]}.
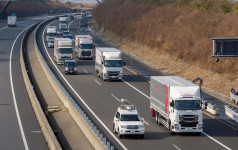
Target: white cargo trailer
{"type": "Point", "coordinates": [84, 46]}
{"type": "Point", "coordinates": [12, 21]}
{"type": "Point", "coordinates": [50, 33]}
{"type": "Point", "coordinates": [108, 64]}
{"type": "Point", "coordinates": [176, 103]}
{"type": "Point", "coordinates": [63, 23]}
{"type": "Point", "coordinates": [63, 50]}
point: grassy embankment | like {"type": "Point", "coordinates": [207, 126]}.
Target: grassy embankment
{"type": "Point", "coordinates": [175, 36]}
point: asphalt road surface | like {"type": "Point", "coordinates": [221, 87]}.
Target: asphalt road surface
{"type": "Point", "coordinates": [19, 128]}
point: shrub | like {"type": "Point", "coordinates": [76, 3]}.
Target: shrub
{"type": "Point", "coordinates": [203, 5]}
{"type": "Point", "coordinates": [235, 9]}
{"type": "Point", "coordinates": [226, 7]}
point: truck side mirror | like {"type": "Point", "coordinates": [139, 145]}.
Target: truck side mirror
{"type": "Point", "coordinates": [142, 119]}
{"type": "Point", "coordinates": [172, 104]}
{"type": "Point", "coordinates": [102, 62]}
{"type": "Point", "coordinates": [124, 63]}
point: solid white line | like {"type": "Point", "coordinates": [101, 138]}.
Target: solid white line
{"type": "Point", "coordinates": [202, 132]}
{"type": "Point", "coordinates": [13, 93]}
{"type": "Point", "coordinates": [71, 23]}
{"type": "Point", "coordinates": [146, 123]}
{"type": "Point", "coordinates": [85, 70]}
{"type": "Point", "coordinates": [216, 141]}
{"type": "Point", "coordinates": [85, 104]}
{"type": "Point", "coordinates": [97, 82]}
{"type": "Point", "coordinates": [115, 97]}
{"type": "Point", "coordinates": [176, 147]}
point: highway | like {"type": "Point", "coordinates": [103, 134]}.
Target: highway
{"type": "Point", "coordinates": [101, 100]}
{"type": "Point", "coordinates": [19, 128]}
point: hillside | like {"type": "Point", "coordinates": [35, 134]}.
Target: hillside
{"type": "Point", "coordinates": [175, 35]}
{"type": "Point", "coordinates": [28, 8]}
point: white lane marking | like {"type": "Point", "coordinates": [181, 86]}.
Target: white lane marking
{"type": "Point", "coordinates": [176, 147]}
{"type": "Point", "coordinates": [13, 92]}
{"type": "Point", "coordinates": [97, 82]}
{"type": "Point", "coordinates": [71, 23]}
{"type": "Point", "coordinates": [202, 132]}
{"type": "Point", "coordinates": [115, 97]}
{"type": "Point", "coordinates": [136, 89]}
{"type": "Point", "coordinates": [85, 104]}
{"type": "Point", "coordinates": [36, 131]}
{"type": "Point", "coordinates": [216, 141]}
{"type": "Point", "coordinates": [85, 70]}
{"type": "Point", "coordinates": [146, 123]}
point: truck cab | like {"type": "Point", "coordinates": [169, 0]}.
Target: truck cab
{"type": "Point", "coordinates": [84, 46]}
{"type": "Point", "coordinates": [127, 120]}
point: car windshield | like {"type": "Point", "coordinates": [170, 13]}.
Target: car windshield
{"type": "Point", "coordinates": [64, 22]}
{"type": "Point", "coordinates": [70, 64]}
{"type": "Point", "coordinates": [51, 41]}
{"type": "Point", "coordinates": [60, 30]}
{"type": "Point", "coordinates": [66, 33]}
{"type": "Point", "coordinates": [113, 63]}
{"type": "Point", "coordinates": [51, 34]}
{"type": "Point", "coordinates": [187, 105]}
{"type": "Point", "coordinates": [129, 118]}
{"type": "Point", "coordinates": [65, 50]}
{"type": "Point", "coordinates": [86, 46]}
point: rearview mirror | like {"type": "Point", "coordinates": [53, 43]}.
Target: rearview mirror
{"type": "Point", "coordinates": [142, 119]}
{"type": "Point", "coordinates": [172, 104]}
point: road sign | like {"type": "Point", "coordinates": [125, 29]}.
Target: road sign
{"type": "Point", "coordinates": [225, 47]}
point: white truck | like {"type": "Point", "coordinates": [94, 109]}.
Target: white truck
{"type": "Point", "coordinates": [63, 23]}
{"type": "Point", "coordinates": [63, 50]}
{"type": "Point", "coordinates": [12, 21]}
{"type": "Point", "coordinates": [50, 33]}
{"type": "Point", "coordinates": [176, 103]}
{"type": "Point", "coordinates": [108, 63]}
{"type": "Point", "coordinates": [84, 46]}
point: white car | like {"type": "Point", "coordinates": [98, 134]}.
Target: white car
{"type": "Point", "coordinates": [127, 121]}
{"type": "Point", "coordinates": [51, 44]}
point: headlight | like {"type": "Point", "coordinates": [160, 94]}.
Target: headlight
{"type": "Point", "coordinates": [105, 75]}
{"type": "Point", "coordinates": [75, 69]}
{"type": "Point", "coordinates": [176, 126]}
{"type": "Point", "coordinates": [141, 127]}
{"type": "Point", "coordinates": [200, 126]}
{"type": "Point", "coordinates": [66, 68]}
{"type": "Point", "coordinates": [123, 126]}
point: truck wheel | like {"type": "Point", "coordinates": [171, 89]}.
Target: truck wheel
{"type": "Point", "coordinates": [113, 128]}
{"type": "Point", "coordinates": [158, 118]}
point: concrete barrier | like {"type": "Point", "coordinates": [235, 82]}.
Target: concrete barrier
{"type": "Point", "coordinates": [68, 102]}
{"type": "Point", "coordinates": [49, 135]}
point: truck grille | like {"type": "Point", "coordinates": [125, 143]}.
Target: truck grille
{"type": "Point", "coordinates": [113, 73]}
{"type": "Point", "coordinates": [188, 121]}
{"type": "Point", "coordinates": [132, 126]}
{"type": "Point", "coordinates": [86, 53]}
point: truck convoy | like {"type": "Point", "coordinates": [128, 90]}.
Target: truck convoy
{"type": "Point", "coordinates": [108, 63]}
{"type": "Point", "coordinates": [127, 120]}
{"type": "Point", "coordinates": [63, 50]}
{"type": "Point", "coordinates": [63, 23]}
{"type": "Point", "coordinates": [84, 46]}
{"type": "Point", "coordinates": [12, 21]}
{"type": "Point", "coordinates": [176, 104]}
{"type": "Point", "coordinates": [50, 33]}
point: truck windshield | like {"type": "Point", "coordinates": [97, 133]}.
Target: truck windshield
{"type": "Point", "coordinates": [65, 50]}
{"type": "Point", "coordinates": [51, 34]}
{"type": "Point", "coordinates": [63, 22]}
{"type": "Point", "coordinates": [70, 64]}
{"type": "Point", "coordinates": [86, 46]}
{"type": "Point", "coordinates": [187, 105]}
{"type": "Point", "coordinates": [129, 118]}
{"type": "Point", "coordinates": [113, 63]}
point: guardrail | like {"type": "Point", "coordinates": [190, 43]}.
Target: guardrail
{"type": "Point", "coordinates": [90, 130]}
{"type": "Point", "coordinates": [208, 106]}
{"type": "Point", "coordinates": [232, 113]}
{"type": "Point", "coordinates": [233, 96]}
{"type": "Point", "coordinates": [49, 135]}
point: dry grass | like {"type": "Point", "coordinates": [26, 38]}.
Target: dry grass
{"type": "Point", "coordinates": [174, 38]}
